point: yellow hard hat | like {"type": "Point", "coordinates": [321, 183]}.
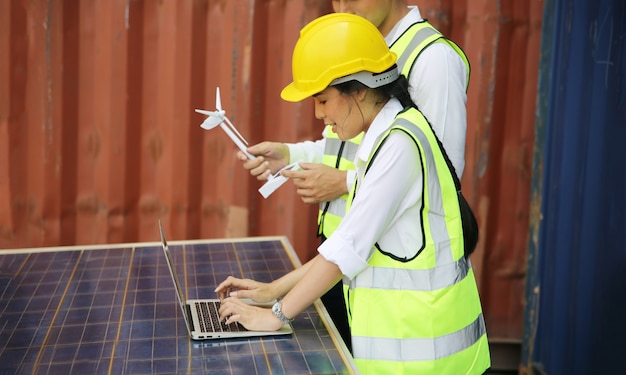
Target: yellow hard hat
{"type": "Point", "coordinates": [336, 48]}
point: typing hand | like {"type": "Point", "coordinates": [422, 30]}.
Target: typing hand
{"type": "Point", "coordinates": [245, 288]}
{"type": "Point", "coordinates": [252, 317]}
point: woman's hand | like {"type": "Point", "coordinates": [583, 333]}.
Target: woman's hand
{"type": "Point", "coordinates": [246, 288]}
{"type": "Point", "coordinates": [252, 317]}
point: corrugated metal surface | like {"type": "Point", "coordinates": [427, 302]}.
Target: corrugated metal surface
{"type": "Point", "coordinates": [575, 315]}
{"type": "Point", "coordinates": [100, 134]}
{"type": "Point", "coordinates": [502, 40]}
{"type": "Point", "coordinates": [99, 138]}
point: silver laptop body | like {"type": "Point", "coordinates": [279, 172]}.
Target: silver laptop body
{"type": "Point", "coordinates": [202, 315]}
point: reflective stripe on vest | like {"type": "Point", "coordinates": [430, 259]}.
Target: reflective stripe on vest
{"type": "Point", "coordinates": [421, 314]}
{"type": "Point", "coordinates": [408, 47]}
{"type": "Point", "coordinates": [420, 349]}
{"type": "Point", "coordinates": [415, 39]}
{"type": "Point", "coordinates": [419, 280]}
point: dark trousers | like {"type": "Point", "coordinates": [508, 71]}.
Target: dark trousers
{"type": "Point", "coordinates": [335, 305]}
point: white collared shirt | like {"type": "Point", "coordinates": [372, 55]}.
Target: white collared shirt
{"type": "Point", "coordinates": [386, 208]}
{"type": "Point", "coordinates": [437, 85]}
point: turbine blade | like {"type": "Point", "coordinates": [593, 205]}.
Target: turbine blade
{"type": "Point", "coordinates": [218, 100]}
{"type": "Point", "coordinates": [209, 113]}
{"type": "Point", "coordinates": [211, 122]}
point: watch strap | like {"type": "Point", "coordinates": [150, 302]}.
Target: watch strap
{"type": "Point", "coordinates": [277, 309]}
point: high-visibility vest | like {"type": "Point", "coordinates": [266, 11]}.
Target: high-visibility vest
{"type": "Point", "coordinates": [340, 154]}
{"type": "Point", "coordinates": [421, 314]}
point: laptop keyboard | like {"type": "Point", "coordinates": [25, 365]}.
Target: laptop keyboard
{"type": "Point", "coordinates": [208, 313]}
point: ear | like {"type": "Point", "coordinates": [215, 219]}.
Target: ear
{"type": "Point", "coordinates": [361, 94]}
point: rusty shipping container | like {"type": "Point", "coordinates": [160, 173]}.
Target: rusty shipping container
{"type": "Point", "coordinates": [99, 138]}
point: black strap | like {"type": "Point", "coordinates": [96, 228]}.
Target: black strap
{"type": "Point", "coordinates": [320, 225]}
{"type": "Point", "coordinates": [468, 220]}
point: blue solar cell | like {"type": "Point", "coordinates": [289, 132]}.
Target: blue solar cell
{"type": "Point", "coordinates": [102, 311]}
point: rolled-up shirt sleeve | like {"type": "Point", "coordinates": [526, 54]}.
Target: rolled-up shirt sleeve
{"type": "Point", "coordinates": [348, 260]}
{"type": "Point", "coordinates": [350, 178]}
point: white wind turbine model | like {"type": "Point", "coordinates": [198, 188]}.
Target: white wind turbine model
{"type": "Point", "coordinates": [218, 117]}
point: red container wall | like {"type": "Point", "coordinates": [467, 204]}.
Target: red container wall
{"type": "Point", "coordinates": [99, 138]}
{"type": "Point", "coordinates": [100, 134]}
{"type": "Point", "coordinates": [502, 40]}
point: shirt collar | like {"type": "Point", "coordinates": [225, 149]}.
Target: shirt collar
{"type": "Point", "coordinates": [410, 18]}
{"type": "Point", "coordinates": [381, 123]}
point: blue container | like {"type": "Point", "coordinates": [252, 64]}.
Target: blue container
{"type": "Point", "coordinates": [575, 317]}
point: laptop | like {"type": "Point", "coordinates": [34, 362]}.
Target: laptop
{"type": "Point", "coordinates": [202, 315]}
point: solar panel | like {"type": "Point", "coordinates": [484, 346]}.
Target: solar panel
{"type": "Point", "coordinates": [110, 309]}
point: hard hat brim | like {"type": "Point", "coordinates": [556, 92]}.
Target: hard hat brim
{"type": "Point", "coordinates": [292, 94]}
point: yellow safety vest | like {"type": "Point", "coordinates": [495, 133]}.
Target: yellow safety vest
{"type": "Point", "coordinates": [340, 154]}
{"type": "Point", "coordinates": [420, 315]}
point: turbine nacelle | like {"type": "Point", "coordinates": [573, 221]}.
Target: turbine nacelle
{"type": "Point", "coordinates": [218, 118]}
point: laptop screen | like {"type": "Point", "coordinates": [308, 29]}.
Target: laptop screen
{"type": "Point", "coordinates": [170, 265]}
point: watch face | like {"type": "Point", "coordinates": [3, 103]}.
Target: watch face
{"type": "Point", "coordinates": [277, 310]}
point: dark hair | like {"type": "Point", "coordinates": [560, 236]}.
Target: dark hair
{"type": "Point", "coordinates": [397, 89]}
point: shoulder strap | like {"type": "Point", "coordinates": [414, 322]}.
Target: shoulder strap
{"type": "Point", "coordinates": [415, 39]}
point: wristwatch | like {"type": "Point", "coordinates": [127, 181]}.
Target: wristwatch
{"type": "Point", "coordinates": [277, 309]}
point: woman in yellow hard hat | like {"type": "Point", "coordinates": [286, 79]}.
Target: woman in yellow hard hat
{"type": "Point", "coordinates": [411, 295]}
